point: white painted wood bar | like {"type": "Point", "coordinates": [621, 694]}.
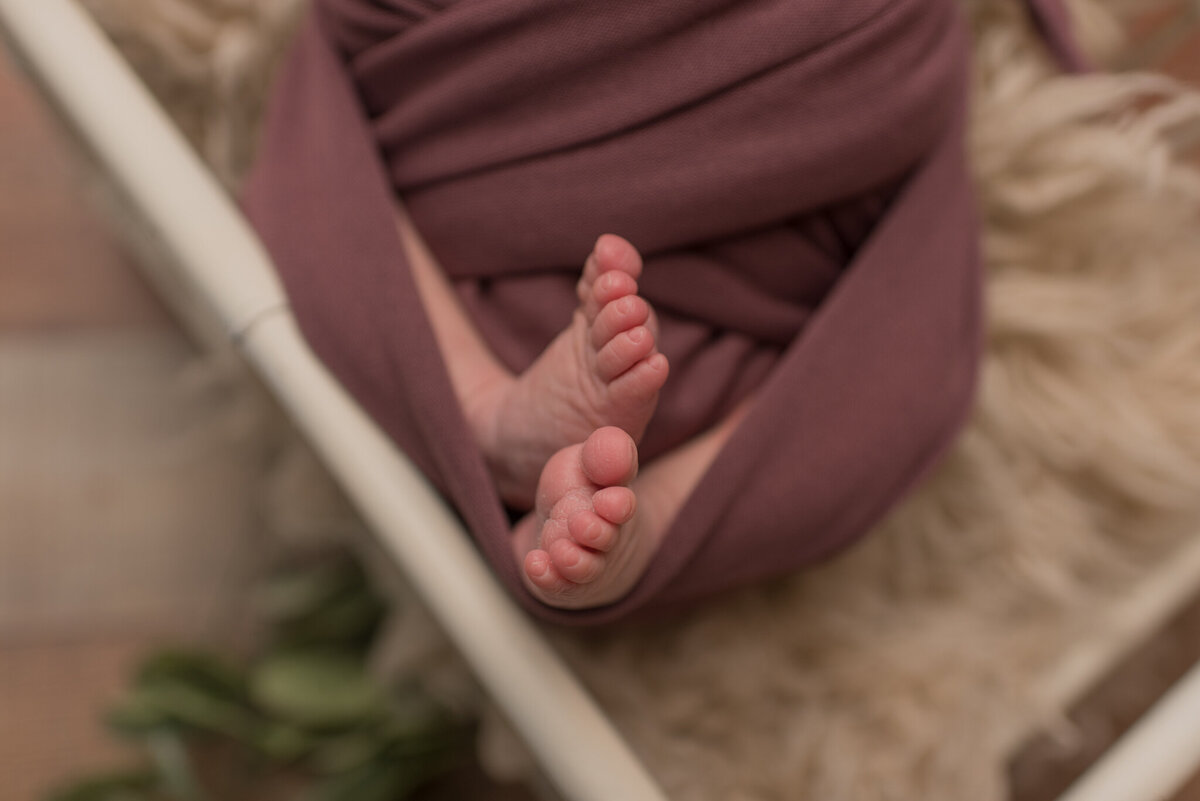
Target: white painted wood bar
{"type": "Point", "coordinates": [1155, 758]}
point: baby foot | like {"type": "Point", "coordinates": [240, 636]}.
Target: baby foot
{"type": "Point", "coordinates": [604, 369]}
{"type": "Point", "coordinates": [581, 547]}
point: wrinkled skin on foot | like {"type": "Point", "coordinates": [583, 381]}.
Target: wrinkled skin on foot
{"type": "Point", "coordinates": [604, 369]}
{"type": "Point", "coordinates": [580, 547]}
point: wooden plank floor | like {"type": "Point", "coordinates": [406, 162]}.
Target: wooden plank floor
{"type": "Point", "coordinates": [97, 561]}
{"type": "Point", "coordinates": [60, 275]}
{"type": "Point", "coordinates": [60, 269]}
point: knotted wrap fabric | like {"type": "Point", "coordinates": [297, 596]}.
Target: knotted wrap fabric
{"type": "Point", "coordinates": [793, 172]}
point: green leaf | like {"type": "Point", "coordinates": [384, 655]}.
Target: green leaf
{"type": "Point", "coordinates": [317, 689]}
{"type": "Point", "coordinates": [283, 743]}
{"type": "Point", "coordinates": [171, 703]}
{"type": "Point", "coordinates": [348, 621]}
{"type": "Point", "coordinates": [329, 603]}
{"type": "Point", "coordinates": [137, 715]}
{"type": "Point", "coordinates": [205, 671]}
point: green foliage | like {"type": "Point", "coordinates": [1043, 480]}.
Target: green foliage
{"type": "Point", "coordinates": [327, 605]}
{"type": "Point", "coordinates": [317, 690]}
{"type": "Point", "coordinates": [176, 690]}
{"type": "Point", "coordinates": [307, 706]}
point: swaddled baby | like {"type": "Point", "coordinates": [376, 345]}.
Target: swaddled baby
{"type": "Point", "coordinates": [789, 346]}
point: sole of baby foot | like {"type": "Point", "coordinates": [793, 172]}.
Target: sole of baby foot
{"type": "Point", "coordinates": [604, 369]}
{"type": "Point", "coordinates": [580, 547]}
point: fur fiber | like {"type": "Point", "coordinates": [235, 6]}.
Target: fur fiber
{"type": "Point", "coordinates": [908, 667]}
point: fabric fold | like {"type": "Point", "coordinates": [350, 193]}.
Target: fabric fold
{"type": "Point", "coordinates": [793, 172]}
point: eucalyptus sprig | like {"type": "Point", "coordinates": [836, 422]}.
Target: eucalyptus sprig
{"type": "Point", "coordinates": [306, 707]}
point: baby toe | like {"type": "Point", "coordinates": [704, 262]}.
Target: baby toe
{"type": "Point", "coordinates": [608, 457]}
{"type": "Point", "coordinates": [624, 351]}
{"type": "Point", "coordinates": [576, 564]}
{"type": "Point", "coordinates": [607, 287]}
{"type": "Point", "coordinates": [620, 315]}
{"type": "Point", "coordinates": [612, 285]}
{"type": "Point", "coordinates": [613, 252]}
{"type": "Point", "coordinates": [642, 381]}
{"type": "Point", "coordinates": [592, 531]}
{"type": "Point", "coordinates": [544, 576]}
{"type": "Point", "coordinates": [615, 504]}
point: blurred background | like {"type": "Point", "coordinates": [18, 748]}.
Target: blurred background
{"type": "Point", "coordinates": [126, 518]}
{"type": "Point", "coordinates": [131, 505]}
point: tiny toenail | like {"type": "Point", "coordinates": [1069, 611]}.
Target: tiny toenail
{"type": "Point", "coordinates": [539, 566]}
{"type": "Point", "coordinates": [637, 335]}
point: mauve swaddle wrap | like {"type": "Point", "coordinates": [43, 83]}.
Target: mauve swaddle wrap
{"type": "Point", "coordinates": [792, 170]}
